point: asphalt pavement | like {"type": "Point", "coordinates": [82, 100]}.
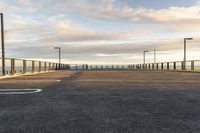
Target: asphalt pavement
{"type": "Point", "coordinates": [102, 102]}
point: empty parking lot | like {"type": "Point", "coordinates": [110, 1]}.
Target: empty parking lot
{"type": "Point", "coordinates": [102, 102]}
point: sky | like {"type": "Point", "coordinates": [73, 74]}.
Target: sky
{"type": "Point", "coordinates": [101, 31]}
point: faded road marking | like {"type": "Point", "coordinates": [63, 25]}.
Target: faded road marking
{"type": "Point", "coordinates": [18, 91]}
{"type": "Point", "coordinates": [68, 76]}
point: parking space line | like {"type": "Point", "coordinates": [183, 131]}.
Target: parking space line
{"type": "Point", "coordinates": [18, 91]}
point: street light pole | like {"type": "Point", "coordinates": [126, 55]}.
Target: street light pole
{"type": "Point", "coordinates": [185, 47]}
{"type": "Point", "coordinates": [59, 55]}
{"type": "Point", "coordinates": [2, 44]}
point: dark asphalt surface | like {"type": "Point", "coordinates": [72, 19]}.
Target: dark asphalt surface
{"type": "Point", "coordinates": [103, 102]}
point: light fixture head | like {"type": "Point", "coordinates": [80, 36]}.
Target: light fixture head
{"type": "Point", "coordinates": [188, 38]}
{"type": "Point", "coordinates": [56, 47]}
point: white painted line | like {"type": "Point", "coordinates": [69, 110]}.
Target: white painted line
{"type": "Point", "coordinates": [68, 76]}
{"type": "Point", "coordinates": [58, 80]}
{"type": "Point", "coordinates": [18, 91]}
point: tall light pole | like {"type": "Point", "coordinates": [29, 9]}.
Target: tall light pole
{"type": "Point", "coordinates": [59, 49]}
{"type": "Point", "coordinates": [145, 56]}
{"type": "Point", "coordinates": [185, 42]}
{"type": "Point", "coordinates": [2, 44]}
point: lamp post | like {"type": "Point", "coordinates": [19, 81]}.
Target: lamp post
{"type": "Point", "coordinates": [2, 44]}
{"type": "Point", "coordinates": [59, 49]}
{"type": "Point", "coordinates": [185, 47]}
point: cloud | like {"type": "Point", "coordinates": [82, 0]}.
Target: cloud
{"type": "Point", "coordinates": [115, 10]}
{"type": "Point", "coordinates": [65, 31]}
{"type": "Point", "coordinates": [24, 28]}
{"type": "Point", "coordinates": [107, 49]}
{"type": "Point", "coordinates": [20, 6]}
{"type": "Point", "coordinates": [33, 30]}
{"type": "Point", "coordinates": [172, 19]}
{"type": "Point", "coordinates": [187, 18]}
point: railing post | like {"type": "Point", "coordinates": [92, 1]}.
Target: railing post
{"type": "Point", "coordinates": [152, 65]}
{"type": "Point", "coordinates": [24, 66]}
{"type": "Point", "coordinates": [157, 66]}
{"type": "Point", "coordinates": [39, 66]}
{"type": "Point", "coordinates": [192, 65]}
{"type": "Point", "coordinates": [174, 65]}
{"type": "Point", "coordinates": [60, 66]}
{"type": "Point", "coordinates": [33, 66]}
{"type": "Point", "coordinates": [162, 67]}
{"type": "Point", "coordinates": [12, 66]}
{"type": "Point", "coordinates": [52, 66]}
{"type": "Point", "coordinates": [183, 65]}
{"type": "Point", "coordinates": [45, 66]}
{"type": "Point", "coordinates": [167, 65]}
{"type": "Point", "coordinates": [49, 67]}
{"type": "Point", "coordinates": [56, 64]}
{"type": "Point", "coordinates": [85, 67]}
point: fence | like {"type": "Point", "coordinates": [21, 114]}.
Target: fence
{"type": "Point", "coordinates": [97, 67]}
{"type": "Point", "coordinates": [19, 66]}
{"type": "Point", "coordinates": [178, 65]}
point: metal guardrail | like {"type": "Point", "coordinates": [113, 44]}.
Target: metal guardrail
{"type": "Point", "coordinates": [177, 65]}
{"type": "Point", "coordinates": [20, 66]}
{"type": "Point", "coordinates": [98, 67]}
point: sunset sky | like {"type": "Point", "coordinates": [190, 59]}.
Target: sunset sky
{"type": "Point", "coordinates": [101, 31]}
